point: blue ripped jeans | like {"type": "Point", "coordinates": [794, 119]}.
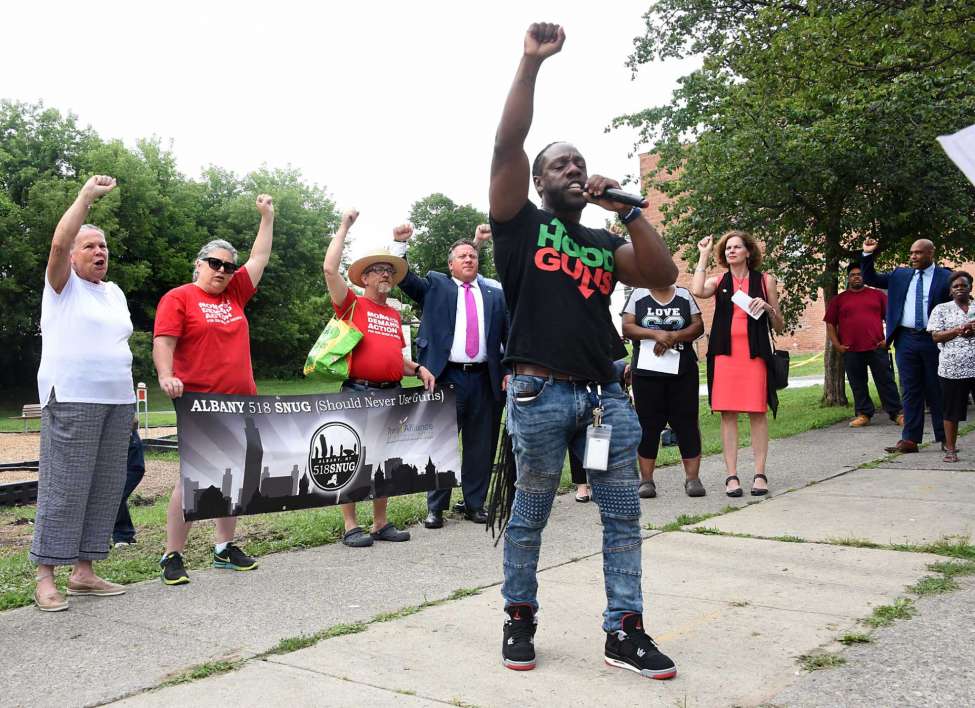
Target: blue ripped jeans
{"type": "Point", "coordinates": [545, 416]}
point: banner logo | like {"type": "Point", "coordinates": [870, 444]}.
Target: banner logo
{"type": "Point", "coordinates": [334, 456]}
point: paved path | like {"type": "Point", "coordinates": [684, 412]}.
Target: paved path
{"type": "Point", "coordinates": [734, 612]}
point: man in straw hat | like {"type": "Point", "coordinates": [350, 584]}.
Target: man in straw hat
{"type": "Point", "coordinates": [558, 277]}
{"type": "Point", "coordinates": [377, 362]}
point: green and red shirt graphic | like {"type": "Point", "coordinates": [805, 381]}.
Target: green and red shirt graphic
{"type": "Point", "coordinates": [557, 281]}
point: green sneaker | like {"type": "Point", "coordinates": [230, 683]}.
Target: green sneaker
{"type": "Point", "coordinates": [232, 558]}
{"type": "Point", "coordinates": [173, 570]}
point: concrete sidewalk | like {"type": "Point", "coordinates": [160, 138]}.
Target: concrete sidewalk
{"type": "Point", "coordinates": [734, 612]}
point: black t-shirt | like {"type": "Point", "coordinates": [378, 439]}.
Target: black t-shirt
{"type": "Point", "coordinates": [557, 281]}
{"type": "Point", "coordinates": [670, 316]}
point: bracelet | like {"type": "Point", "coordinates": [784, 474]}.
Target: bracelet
{"type": "Point", "coordinates": [631, 215]}
{"type": "Point", "coordinates": [416, 371]}
{"type": "Point", "coordinates": [700, 270]}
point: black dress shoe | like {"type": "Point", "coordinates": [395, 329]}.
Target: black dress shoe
{"type": "Point", "coordinates": [434, 520]}
{"type": "Point", "coordinates": [478, 516]}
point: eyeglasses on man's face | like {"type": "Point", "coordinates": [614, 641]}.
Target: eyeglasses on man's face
{"type": "Point", "coordinates": [382, 269]}
{"type": "Point", "coordinates": [217, 264]}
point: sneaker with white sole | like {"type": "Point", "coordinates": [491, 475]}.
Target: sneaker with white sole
{"type": "Point", "coordinates": [629, 647]}
{"type": "Point", "coordinates": [518, 645]}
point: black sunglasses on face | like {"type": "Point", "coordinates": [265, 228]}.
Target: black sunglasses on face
{"type": "Point", "coordinates": [217, 264]}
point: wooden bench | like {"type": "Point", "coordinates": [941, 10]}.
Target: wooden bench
{"type": "Point", "coordinates": [32, 411]}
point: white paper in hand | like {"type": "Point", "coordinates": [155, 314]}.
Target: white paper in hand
{"type": "Point", "coordinates": [741, 299]}
{"type": "Point", "coordinates": [667, 363]}
{"type": "Point", "coordinates": [960, 147]}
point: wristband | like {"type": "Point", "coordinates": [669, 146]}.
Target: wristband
{"type": "Point", "coordinates": [631, 215]}
{"type": "Point", "coordinates": [416, 371]}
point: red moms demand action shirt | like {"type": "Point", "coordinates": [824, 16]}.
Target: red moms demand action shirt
{"type": "Point", "coordinates": [213, 351]}
{"type": "Point", "coordinates": [379, 356]}
{"type": "Point", "coordinates": [858, 316]}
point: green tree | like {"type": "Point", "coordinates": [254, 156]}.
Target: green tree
{"type": "Point", "coordinates": [812, 123]}
{"type": "Point", "coordinates": [155, 222]}
{"type": "Point", "coordinates": [439, 222]}
{"type": "Point", "coordinates": [291, 306]}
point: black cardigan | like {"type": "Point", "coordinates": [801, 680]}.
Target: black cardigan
{"type": "Point", "coordinates": [759, 345]}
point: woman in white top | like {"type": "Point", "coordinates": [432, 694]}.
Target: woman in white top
{"type": "Point", "coordinates": [952, 326]}
{"type": "Point", "coordinates": [85, 387]}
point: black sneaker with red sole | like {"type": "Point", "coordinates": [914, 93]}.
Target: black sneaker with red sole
{"type": "Point", "coordinates": [629, 647]}
{"type": "Point", "coordinates": [518, 645]}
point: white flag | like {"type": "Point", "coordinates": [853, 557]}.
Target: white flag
{"type": "Point", "coordinates": [960, 147]}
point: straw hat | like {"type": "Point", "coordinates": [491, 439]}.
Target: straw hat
{"type": "Point", "coordinates": [378, 256]}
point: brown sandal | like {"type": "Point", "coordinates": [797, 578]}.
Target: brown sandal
{"type": "Point", "coordinates": [951, 455]}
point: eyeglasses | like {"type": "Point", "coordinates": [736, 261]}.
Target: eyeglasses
{"type": "Point", "coordinates": [387, 270]}
{"type": "Point", "coordinates": [217, 264]}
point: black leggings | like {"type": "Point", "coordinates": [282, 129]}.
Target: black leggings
{"type": "Point", "coordinates": [668, 399]}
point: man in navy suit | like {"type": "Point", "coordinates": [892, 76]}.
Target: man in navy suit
{"type": "Point", "coordinates": [462, 334]}
{"type": "Point", "coordinates": [911, 295]}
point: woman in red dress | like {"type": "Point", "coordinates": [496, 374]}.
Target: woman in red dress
{"type": "Point", "coordinates": [739, 348]}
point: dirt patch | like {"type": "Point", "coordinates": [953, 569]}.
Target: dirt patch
{"type": "Point", "coordinates": [20, 447]}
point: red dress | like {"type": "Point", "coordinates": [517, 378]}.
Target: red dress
{"type": "Point", "coordinates": [739, 381]}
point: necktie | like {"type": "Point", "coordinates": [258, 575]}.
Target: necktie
{"type": "Point", "coordinates": [919, 301]}
{"type": "Point", "coordinates": [471, 307]}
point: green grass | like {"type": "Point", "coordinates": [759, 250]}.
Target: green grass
{"type": "Point", "coordinates": [800, 410]}
{"type": "Point", "coordinates": [201, 671]}
{"type": "Point", "coordinates": [885, 615]}
{"type": "Point", "coordinates": [260, 535]}
{"type": "Point", "coordinates": [933, 585]}
{"type": "Point", "coordinates": [952, 569]}
{"type": "Point", "coordinates": [820, 660]}
{"type": "Point", "coordinates": [855, 638]}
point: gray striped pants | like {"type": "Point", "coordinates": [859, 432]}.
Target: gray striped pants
{"type": "Point", "coordinates": [80, 480]}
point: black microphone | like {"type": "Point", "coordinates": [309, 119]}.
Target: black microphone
{"type": "Point", "coordinates": [618, 195]}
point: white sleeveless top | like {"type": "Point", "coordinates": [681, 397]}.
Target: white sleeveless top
{"type": "Point", "coordinates": [85, 354]}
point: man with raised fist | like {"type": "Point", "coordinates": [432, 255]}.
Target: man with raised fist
{"type": "Point", "coordinates": [911, 295]}
{"type": "Point", "coordinates": [461, 339]}
{"type": "Point", "coordinates": [558, 276]}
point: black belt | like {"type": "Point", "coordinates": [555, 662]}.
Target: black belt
{"type": "Point", "coordinates": [479, 366]}
{"type": "Point", "coordinates": [374, 384]}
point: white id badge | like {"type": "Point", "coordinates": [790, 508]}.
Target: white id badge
{"type": "Point", "coordinates": [596, 456]}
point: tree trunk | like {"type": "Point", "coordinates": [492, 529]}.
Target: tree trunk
{"type": "Point", "coordinates": [834, 377]}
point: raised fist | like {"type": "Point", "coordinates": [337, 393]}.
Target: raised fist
{"type": "Point", "coordinates": [544, 39]}
{"type": "Point", "coordinates": [870, 245]}
{"type": "Point", "coordinates": [402, 232]}
{"type": "Point", "coordinates": [705, 245]}
{"type": "Point", "coordinates": [265, 205]}
{"type": "Point", "coordinates": [97, 186]}
{"type": "Point", "coordinates": [482, 234]}
{"type": "Point", "coordinates": [349, 216]}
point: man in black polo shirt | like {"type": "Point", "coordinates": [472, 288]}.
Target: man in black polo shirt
{"type": "Point", "coordinates": [558, 277]}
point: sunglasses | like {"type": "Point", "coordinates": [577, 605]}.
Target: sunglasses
{"type": "Point", "coordinates": [217, 264]}
{"type": "Point", "coordinates": [388, 270]}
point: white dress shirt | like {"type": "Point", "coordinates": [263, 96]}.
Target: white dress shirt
{"type": "Point", "coordinates": [907, 317]}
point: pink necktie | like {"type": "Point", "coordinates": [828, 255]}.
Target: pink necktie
{"type": "Point", "coordinates": [471, 306]}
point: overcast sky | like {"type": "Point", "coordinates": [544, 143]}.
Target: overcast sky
{"type": "Point", "coordinates": [380, 103]}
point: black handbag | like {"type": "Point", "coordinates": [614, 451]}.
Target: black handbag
{"type": "Point", "coordinates": [778, 374]}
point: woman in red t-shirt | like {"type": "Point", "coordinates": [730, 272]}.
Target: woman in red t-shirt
{"type": "Point", "coordinates": [202, 344]}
